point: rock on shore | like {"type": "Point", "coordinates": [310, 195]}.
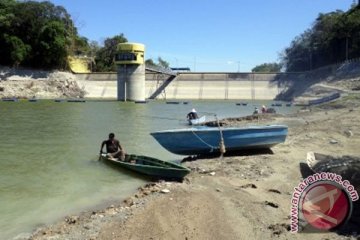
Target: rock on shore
{"type": "Point", "coordinates": [38, 84]}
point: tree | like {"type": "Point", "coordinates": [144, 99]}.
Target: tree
{"type": "Point", "coordinates": [267, 67]}
{"type": "Point", "coordinates": [81, 46]}
{"type": "Point", "coordinates": [37, 34]}
{"type": "Point", "coordinates": [93, 48]}
{"type": "Point", "coordinates": [160, 63]}
{"type": "Point", "coordinates": [333, 37]}
{"type": "Point", "coordinates": [6, 13]}
{"type": "Point", "coordinates": [53, 44]}
{"type": "Point", "coordinates": [17, 50]}
{"type": "Point", "coordinates": [105, 56]}
{"type": "Point", "coordinates": [150, 62]}
{"type": "Point", "coordinates": [163, 63]}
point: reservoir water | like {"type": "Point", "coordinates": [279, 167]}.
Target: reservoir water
{"type": "Point", "coordinates": [49, 164]}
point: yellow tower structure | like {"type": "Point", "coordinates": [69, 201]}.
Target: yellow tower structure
{"type": "Point", "coordinates": [130, 61]}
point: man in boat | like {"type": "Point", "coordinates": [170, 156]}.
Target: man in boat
{"type": "Point", "coordinates": [192, 115]}
{"type": "Point", "coordinates": [113, 147]}
{"type": "Point", "coordinates": [263, 109]}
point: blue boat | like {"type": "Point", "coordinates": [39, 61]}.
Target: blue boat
{"type": "Point", "coordinates": [205, 140]}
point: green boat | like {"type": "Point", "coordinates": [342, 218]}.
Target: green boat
{"type": "Point", "coordinates": [149, 166]}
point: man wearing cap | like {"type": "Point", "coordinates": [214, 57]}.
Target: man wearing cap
{"type": "Point", "coordinates": [192, 115]}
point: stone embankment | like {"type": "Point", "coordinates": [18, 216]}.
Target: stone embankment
{"type": "Point", "coordinates": [38, 84]}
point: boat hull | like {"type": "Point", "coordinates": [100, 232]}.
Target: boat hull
{"type": "Point", "coordinates": [197, 121]}
{"type": "Point", "coordinates": [150, 166]}
{"type": "Point", "coordinates": [205, 140]}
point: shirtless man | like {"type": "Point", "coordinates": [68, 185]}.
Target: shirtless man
{"type": "Point", "coordinates": [113, 147]}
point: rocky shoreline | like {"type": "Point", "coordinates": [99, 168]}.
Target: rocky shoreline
{"type": "Point", "coordinates": [40, 85]}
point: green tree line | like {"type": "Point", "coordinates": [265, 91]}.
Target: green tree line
{"type": "Point", "coordinates": [334, 37]}
{"type": "Point", "coordinates": [42, 35]}
{"type": "Point", "coordinates": [35, 34]}
{"type": "Point", "coordinates": [267, 67]}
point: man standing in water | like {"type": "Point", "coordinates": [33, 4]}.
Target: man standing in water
{"type": "Point", "coordinates": [113, 147]}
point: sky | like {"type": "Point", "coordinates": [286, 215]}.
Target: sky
{"type": "Point", "coordinates": [204, 35]}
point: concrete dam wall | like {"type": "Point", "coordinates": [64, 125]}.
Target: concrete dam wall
{"type": "Point", "coordinates": [192, 85]}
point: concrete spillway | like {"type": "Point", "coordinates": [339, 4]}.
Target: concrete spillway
{"type": "Point", "coordinates": [192, 85]}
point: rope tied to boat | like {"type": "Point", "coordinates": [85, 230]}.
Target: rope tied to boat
{"type": "Point", "coordinates": [211, 147]}
{"type": "Point", "coordinates": [221, 143]}
{"type": "Point", "coordinates": [221, 146]}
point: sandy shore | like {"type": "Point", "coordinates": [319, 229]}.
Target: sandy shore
{"type": "Point", "coordinates": [246, 196]}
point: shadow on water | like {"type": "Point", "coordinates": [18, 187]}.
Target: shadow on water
{"type": "Point", "coordinates": [249, 152]}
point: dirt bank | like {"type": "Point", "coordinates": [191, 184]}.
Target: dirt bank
{"type": "Point", "coordinates": [245, 196]}
{"type": "Point", "coordinates": [341, 78]}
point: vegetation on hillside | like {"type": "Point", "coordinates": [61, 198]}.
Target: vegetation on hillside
{"type": "Point", "coordinates": [334, 37]}
{"type": "Point", "coordinates": [105, 56]}
{"type": "Point", "coordinates": [36, 34]}
{"type": "Point", "coordinates": [267, 67]}
{"type": "Point", "coordinates": [41, 35]}
{"type": "Point", "coordinates": [160, 63]}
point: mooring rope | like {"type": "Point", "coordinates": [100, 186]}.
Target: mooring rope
{"type": "Point", "coordinates": [212, 147]}
{"type": "Point", "coordinates": [222, 143]}
{"type": "Point", "coordinates": [221, 146]}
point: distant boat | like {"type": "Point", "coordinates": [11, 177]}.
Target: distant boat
{"type": "Point", "coordinates": [33, 100]}
{"type": "Point", "coordinates": [142, 102]}
{"type": "Point", "coordinates": [150, 166]}
{"type": "Point", "coordinates": [10, 99]}
{"type": "Point", "coordinates": [243, 104]}
{"type": "Point", "coordinates": [172, 102]}
{"type": "Point", "coordinates": [205, 140]}
{"type": "Point", "coordinates": [197, 121]}
{"type": "Point", "coordinates": [76, 100]}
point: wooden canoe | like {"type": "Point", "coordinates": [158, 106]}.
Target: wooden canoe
{"type": "Point", "coordinates": [150, 166]}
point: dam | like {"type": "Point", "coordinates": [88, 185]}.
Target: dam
{"type": "Point", "coordinates": [191, 85]}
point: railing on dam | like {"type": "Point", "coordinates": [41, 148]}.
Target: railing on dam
{"type": "Point", "coordinates": [158, 69]}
